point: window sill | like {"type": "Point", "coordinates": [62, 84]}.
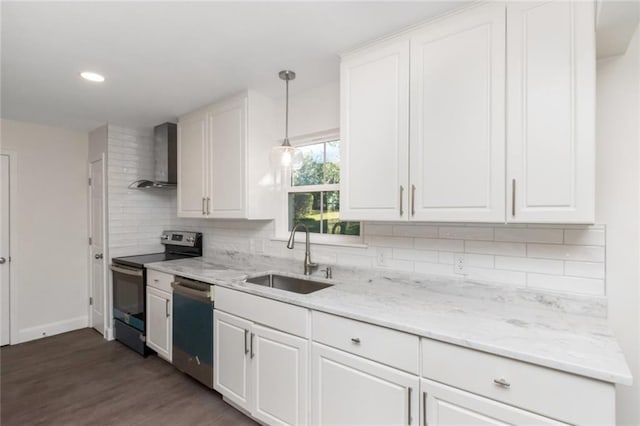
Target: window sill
{"type": "Point", "coordinates": [325, 243]}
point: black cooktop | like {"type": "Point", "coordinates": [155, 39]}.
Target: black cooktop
{"type": "Point", "coordinates": [142, 259]}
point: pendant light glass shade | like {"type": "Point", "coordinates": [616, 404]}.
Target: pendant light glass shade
{"type": "Point", "coordinates": [286, 156]}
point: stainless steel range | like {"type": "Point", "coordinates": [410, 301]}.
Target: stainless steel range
{"type": "Point", "coordinates": [130, 285]}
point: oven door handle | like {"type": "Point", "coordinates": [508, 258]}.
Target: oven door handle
{"type": "Point", "coordinates": [189, 291]}
{"type": "Point", "coordinates": [127, 271]}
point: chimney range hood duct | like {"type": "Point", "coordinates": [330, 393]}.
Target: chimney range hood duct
{"type": "Point", "coordinates": [165, 148]}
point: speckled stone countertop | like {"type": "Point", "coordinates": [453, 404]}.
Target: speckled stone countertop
{"type": "Point", "coordinates": [564, 333]}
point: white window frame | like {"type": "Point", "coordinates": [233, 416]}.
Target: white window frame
{"type": "Point", "coordinates": [282, 220]}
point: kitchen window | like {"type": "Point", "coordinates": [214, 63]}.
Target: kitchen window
{"type": "Point", "coordinates": [313, 193]}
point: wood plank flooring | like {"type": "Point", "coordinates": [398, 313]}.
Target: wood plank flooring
{"type": "Point", "coordinates": [78, 378]}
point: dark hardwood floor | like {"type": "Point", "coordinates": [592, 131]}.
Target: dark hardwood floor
{"type": "Point", "coordinates": [78, 378]}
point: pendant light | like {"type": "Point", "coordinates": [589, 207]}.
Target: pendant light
{"type": "Point", "coordinates": [286, 156]}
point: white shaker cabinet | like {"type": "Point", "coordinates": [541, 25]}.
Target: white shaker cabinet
{"type": "Point", "coordinates": [223, 159]}
{"type": "Point", "coordinates": [422, 123]}
{"type": "Point", "coordinates": [374, 127]}
{"type": "Point", "coordinates": [351, 390]}
{"type": "Point", "coordinates": [260, 369]}
{"type": "Point", "coordinates": [192, 164]}
{"type": "Point", "coordinates": [551, 112]}
{"type": "Point", "coordinates": [447, 406]}
{"type": "Point", "coordinates": [159, 320]}
{"type": "Point", "coordinates": [457, 134]}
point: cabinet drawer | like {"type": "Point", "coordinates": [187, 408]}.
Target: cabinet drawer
{"type": "Point", "coordinates": [160, 280]}
{"type": "Point", "coordinates": [281, 316]}
{"type": "Point", "coordinates": [562, 396]}
{"type": "Point", "coordinates": [380, 344]}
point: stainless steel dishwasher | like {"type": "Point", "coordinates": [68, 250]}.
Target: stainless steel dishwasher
{"type": "Point", "coordinates": [193, 303]}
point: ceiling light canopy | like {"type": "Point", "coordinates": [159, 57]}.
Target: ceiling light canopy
{"type": "Point", "coordinates": [92, 76]}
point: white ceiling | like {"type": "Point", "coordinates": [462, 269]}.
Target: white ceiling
{"type": "Point", "coordinates": [164, 59]}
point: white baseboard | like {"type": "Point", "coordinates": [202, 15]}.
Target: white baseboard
{"type": "Point", "coordinates": [108, 334]}
{"type": "Point", "coordinates": [45, 330]}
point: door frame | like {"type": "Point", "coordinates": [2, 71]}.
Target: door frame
{"type": "Point", "coordinates": [13, 219]}
{"type": "Point", "coordinates": [105, 257]}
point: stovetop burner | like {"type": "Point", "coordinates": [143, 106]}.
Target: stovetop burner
{"type": "Point", "coordinates": [177, 245]}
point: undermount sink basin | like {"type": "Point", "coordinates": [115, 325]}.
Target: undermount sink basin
{"type": "Point", "coordinates": [295, 285]}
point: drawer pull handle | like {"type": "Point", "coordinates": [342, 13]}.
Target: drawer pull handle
{"type": "Point", "coordinates": [355, 340]}
{"type": "Point", "coordinates": [502, 383]}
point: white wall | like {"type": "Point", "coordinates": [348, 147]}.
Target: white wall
{"type": "Point", "coordinates": [618, 186]}
{"type": "Point", "coordinates": [49, 264]}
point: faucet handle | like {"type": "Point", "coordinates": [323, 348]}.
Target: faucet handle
{"type": "Point", "coordinates": [328, 274]}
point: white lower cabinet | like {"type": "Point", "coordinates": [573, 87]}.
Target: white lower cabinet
{"type": "Point", "coordinates": [443, 405]}
{"type": "Point", "coordinates": [159, 322]}
{"type": "Point", "coordinates": [351, 390]}
{"type": "Point", "coordinates": [261, 370]}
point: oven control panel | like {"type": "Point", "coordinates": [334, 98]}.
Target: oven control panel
{"type": "Point", "coordinates": [179, 238]}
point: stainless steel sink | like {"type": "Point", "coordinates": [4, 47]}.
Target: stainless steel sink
{"type": "Point", "coordinates": [295, 285]}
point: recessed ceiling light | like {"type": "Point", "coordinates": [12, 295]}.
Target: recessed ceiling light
{"type": "Point", "coordinates": [92, 76]}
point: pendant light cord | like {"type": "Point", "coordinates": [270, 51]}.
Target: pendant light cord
{"type": "Point", "coordinates": [286, 114]}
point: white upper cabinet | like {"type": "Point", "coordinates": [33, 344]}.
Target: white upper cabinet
{"type": "Point", "coordinates": [457, 148]}
{"type": "Point", "coordinates": [192, 147]}
{"type": "Point", "coordinates": [223, 159]}
{"type": "Point", "coordinates": [374, 105]}
{"type": "Point", "coordinates": [551, 112]}
{"type": "Point", "coordinates": [486, 115]}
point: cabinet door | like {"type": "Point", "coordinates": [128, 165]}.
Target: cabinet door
{"type": "Point", "coordinates": [350, 390]}
{"type": "Point", "coordinates": [374, 121]}
{"type": "Point", "coordinates": [159, 324]}
{"type": "Point", "coordinates": [457, 149]}
{"type": "Point", "coordinates": [280, 377]}
{"type": "Point", "coordinates": [231, 349]}
{"type": "Point", "coordinates": [227, 156]}
{"type": "Point", "coordinates": [444, 405]}
{"type": "Point", "coordinates": [551, 112]}
{"type": "Point", "coordinates": [192, 140]}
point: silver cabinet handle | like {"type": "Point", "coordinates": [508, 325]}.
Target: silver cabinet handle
{"type": "Point", "coordinates": [246, 347]}
{"type": "Point", "coordinates": [166, 307]}
{"type": "Point", "coordinates": [424, 409]}
{"type": "Point", "coordinates": [401, 197]}
{"type": "Point", "coordinates": [409, 391]}
{"type": "Point", "coordinates": [355, 340]}
{"type": "Point", "coordinates": [502, 383]}
{"type": "Point", "coordinates": [2, 260]}
{"type": "Point", "coordinates": [413, 200]}
{"type": "Point", "coordinates": [252, 353]}
{"type": "Point", "coordinates": [204, 200]}
{"type": "Point", "coordinates": [513, 197]}
{"type": "Point", "coordinates": [208, 205]}
{"type": "Point", "coordinates": [97, 256]}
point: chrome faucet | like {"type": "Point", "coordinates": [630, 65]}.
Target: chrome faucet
{"type": "Point", "coordinates": [308, 265]}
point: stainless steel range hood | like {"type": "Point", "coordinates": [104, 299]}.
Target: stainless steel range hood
{"type": "Point", "coordinates": [165, 149]}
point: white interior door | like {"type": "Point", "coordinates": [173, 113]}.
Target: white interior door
{"type": "Point", "coordinates": [97, 245]}
{"type": "Point", "coordinates": [4, 251]}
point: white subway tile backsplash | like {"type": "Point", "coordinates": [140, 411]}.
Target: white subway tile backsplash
{"type": "Point", "coordinates": [434, 268]}
{"type": "Point", "coordinates": [527, 264]}
{"type": "Point", "coordinates": [439, 244]}
{"type": "Point", "coordinates": [384, 241]}
{"type": "Point", "coordinates": [566, 252]}
{"type": "Point", "coordinates": [585, 269]}
{"type": "Point", "coordinates": [445, 257]}
{"type": "Point", "coordinates": [592, 237]}
{"type": "Point", "coordinates": [420, 231]}
{"type": "Point", "coordinates": [494, 247]}
{"type": "Point", "coordinates": [415, 255]}
{"type": "Point", "coordinates": [378, 229]}
{"type": "Point", "coordinates": [527, 235]}
{"type": "Point", "coordinates": [479, 260]}
{"type": "Point", "coordinates": [466, 233]}
{"type": "Point", "coordinates": [566, 284]}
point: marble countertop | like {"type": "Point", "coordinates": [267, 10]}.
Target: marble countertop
{"type": "Point", "coordinates": [559, 332]}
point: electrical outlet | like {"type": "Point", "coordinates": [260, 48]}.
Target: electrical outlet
{"type": "Point", "coordinates": [381, 256]}
{"type": "Point", "coordinates": [459, 264]}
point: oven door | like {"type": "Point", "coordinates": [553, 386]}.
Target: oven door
{"type": "Point", "coordinates": [128, 295]}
